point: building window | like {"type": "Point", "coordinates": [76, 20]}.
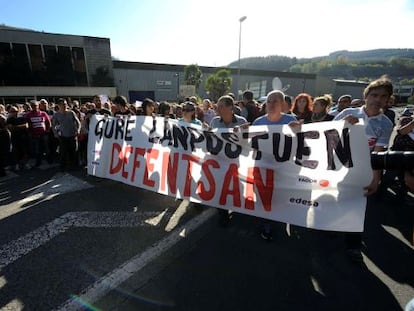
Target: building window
{"type": "Point", "coordinates": [21, 74]}
{"type": "Point", "coordinates": [65, 74]}
{"type": "Point", "coordinates": [38, 64]}
{"type": "Point", "coordinates": [79, 66]}
{"type": "Point", "coordinates": [5, 62]}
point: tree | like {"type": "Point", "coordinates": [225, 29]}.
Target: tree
{"type": "Point", "coordinates": [218, 84]}
{"type": "Point", "coordinates": [192, 75]}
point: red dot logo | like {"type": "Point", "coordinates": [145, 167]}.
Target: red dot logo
{"type": "Point", "coordinates": [324, 183]}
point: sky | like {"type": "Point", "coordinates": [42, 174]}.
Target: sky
{"type": "Point", "coordinates": [206, 32]}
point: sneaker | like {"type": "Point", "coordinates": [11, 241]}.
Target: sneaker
{"type": "Point", "coordinates": [17, 167]}
{"type": "Point", "coordinates": [266, 235]}
{"type": "Point", "coordinates": [355, 255]}
{"type": "Point", "coordinates": [27, 167]}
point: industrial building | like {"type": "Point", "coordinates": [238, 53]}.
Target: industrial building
{"type": "Point", "coordinates": [44, 65]}
{"type": "Point", "coordinates": [36, 65]}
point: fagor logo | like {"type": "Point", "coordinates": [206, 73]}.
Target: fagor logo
{"type": "Point", "coordinates": [311, 181]}
{"type": "Point", "coordinates": [307, 180]}
{"type": "Point", "coordinates": [303, 202]}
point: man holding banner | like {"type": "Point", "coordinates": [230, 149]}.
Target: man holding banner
{"type": "Point", "coordinates": [274, 104]}
{"type": "Point", "coordinates": [226, 119]}
{"type": "Point", "coordinates": [378, 129]}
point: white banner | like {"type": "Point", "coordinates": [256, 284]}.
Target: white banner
{"type": "Point", "coordinates": [313, 178]}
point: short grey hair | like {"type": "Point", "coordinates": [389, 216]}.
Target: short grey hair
{"type": "Point", "coordinates": [276, 93]}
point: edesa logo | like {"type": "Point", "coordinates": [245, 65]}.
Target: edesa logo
{"type": "Point", "coordinates": [303, 202]}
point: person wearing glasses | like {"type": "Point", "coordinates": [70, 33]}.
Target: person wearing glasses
{"type": "Point", "coordinates": [226, 118]}
{"type": "Point", "coordinates": [343, 102]}
{"type": "Point", "coordinates": [189, 113]}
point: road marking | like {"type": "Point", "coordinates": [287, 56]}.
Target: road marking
{"type": "Point", "coordinates": [119, 275]}
{"type": "Point", "coordinates": [64, 183]}
{"type": "Point", "coordinates": [15, 249]}
{"type": "Point", "coordinates": [57, 185]}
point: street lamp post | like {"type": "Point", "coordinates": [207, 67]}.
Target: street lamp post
{"type": "Point", "coordinates": [241, 20]}
{"type": "Point", "coordinates": [177, 75]}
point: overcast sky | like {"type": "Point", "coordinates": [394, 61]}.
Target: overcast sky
{"type": "Point", "coordinates": [206, 32]}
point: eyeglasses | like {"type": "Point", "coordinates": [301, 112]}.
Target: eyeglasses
{"type": "Point", "coordinates": [188, 109]}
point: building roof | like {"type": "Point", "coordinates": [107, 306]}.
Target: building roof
{"type": "Point", "coordinates": [5, 27]}
{"type": "Point", "coordinates": [155, 66]}
{"type": "Point", "coordinates": [350, 82]}
{"type": "Point", "coordinates": [11, 28]}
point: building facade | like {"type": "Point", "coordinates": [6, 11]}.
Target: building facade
{"type": "Point", "coordinates": [36, 65]}
{"type": "Point", "coordinates": [44, 65]}
{"type": "Point", "coordinates": [137, 80]}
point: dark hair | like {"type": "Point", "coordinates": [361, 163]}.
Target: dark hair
{"type": "Point", "coordinates": [164, 108]}
{"type": "Point", "coordinates": [145, 103]}
{"type": "Point", "coordinates": [61, 101]}
{"type": "Point", "coordinates": [248, 95]}
{"type": "Point", "coordinates": [120, 100]}
{"type": "Point", "coordinates": [288, 100]}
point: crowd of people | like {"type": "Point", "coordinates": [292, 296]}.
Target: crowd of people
{"type": "Point", "coordinates": [38, 131]}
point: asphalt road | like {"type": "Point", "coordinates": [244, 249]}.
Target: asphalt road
{"type": "Point", "coordinates": [233, 269]}
{"type": "Point", "coordinates": [72, 242]}
{"type": "Point", "coordinates": [59, 233]}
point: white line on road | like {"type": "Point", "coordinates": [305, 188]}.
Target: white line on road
{"type": "Point", "coordinates": [135, 264]}
{"type": "Point", "coordinates": [15, 249]}
{"type": "Point", "coordinates": [57, 185]}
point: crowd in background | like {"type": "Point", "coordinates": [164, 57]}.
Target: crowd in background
{"type": "Point", "coordinates": [38, 131]}
{"type": "Point", "coordinates": [41, 132]}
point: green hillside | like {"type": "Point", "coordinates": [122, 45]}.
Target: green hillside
{"type": "Point", "coordinates": [360, 65]}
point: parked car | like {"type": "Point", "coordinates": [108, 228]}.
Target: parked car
{"type": "Point", "coordinates": [261, 99]}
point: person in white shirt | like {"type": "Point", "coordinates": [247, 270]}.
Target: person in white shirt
{"type": "Point", "coordinates": [378, 129]}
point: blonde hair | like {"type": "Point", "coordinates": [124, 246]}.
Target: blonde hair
{"type": "Point", "coordinates": [325, 99]}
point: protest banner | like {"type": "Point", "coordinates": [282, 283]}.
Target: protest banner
{"type": "Point", "coordinates": [312, 177]}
